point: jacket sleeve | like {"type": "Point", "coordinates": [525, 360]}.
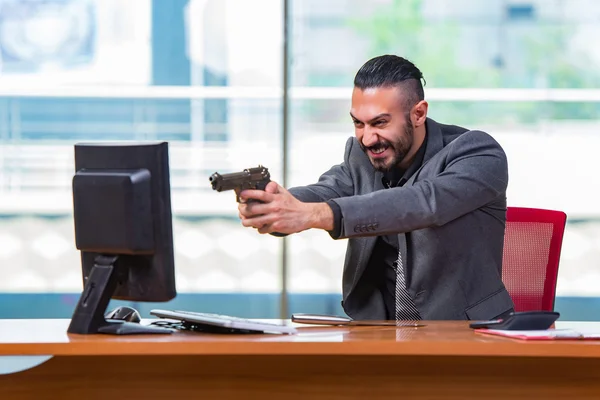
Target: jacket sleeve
{"type": "Point", "coordinates": [474, 174]}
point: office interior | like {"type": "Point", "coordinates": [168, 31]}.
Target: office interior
{"type": "Point", "coordinates": [232, 84]}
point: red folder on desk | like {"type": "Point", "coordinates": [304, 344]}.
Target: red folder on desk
{"type": "Point", "coordinates": [547, 334]}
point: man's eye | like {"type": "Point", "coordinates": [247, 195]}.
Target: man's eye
{"type": "Point", "coordinates": [379, 123]}
{"type": "Point", "coordinates": [356, 122]}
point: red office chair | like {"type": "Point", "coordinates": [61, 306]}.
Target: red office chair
{"type": "Point", "coordinates": [532, 245]}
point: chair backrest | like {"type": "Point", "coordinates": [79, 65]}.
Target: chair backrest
{"type": "Point", "coordinates": [532, 245]}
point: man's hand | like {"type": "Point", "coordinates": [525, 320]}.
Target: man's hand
{"type": "Point", "coordinates": [279, 211]}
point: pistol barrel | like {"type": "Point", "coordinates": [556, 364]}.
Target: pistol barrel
{"type": "Point", "coordinates": [249, 178]}
{"type": "Point", "coordinates": [227, 181]}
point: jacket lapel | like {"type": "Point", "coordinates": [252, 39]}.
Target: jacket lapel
{"type": "Point", "coordinates": [435, 143]}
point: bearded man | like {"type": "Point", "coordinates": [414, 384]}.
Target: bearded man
{"type": "Point", "coordinates": [422, 204]}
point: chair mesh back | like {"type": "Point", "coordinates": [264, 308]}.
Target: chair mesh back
{"type": "Point", "coordinates": [525, 262]}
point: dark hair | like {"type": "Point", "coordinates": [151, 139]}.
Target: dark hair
{"type": "Point", "coordinates": [391, 70]}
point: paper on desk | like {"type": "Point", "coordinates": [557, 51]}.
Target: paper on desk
{"type": "Point", "coordinates": [547, 334]}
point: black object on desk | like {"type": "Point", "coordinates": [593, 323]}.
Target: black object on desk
{"type": "Point", "coordinates": [520, 321]}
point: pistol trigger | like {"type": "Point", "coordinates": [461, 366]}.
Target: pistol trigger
{"type": "Point", "coordinates": [237, 194]}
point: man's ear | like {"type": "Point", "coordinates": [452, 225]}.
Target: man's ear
{"type": "Point", "coordinates": [419, 113]}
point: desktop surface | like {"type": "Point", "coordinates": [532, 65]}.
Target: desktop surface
{"type": "Point", "coordinates": [440, 338]}
{"type": "Point", "coordinates": [442, 360]}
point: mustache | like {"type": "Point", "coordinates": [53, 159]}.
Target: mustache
{"type": "Point", "coordinates": [378, 145]}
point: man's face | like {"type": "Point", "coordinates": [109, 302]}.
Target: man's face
{"type": "Point", "coordinates": [382, 126]}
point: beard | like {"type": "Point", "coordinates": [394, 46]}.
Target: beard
{"type": "Point", "coordinates": [399, 147]}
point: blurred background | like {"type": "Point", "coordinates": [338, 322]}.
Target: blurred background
{"type": "Point", "coordinates": [220, 82]}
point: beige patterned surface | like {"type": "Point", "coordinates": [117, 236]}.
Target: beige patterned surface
{"type": "Point", "coordinates": [219, 255]}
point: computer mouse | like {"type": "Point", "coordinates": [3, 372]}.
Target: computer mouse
{"type": "Point", "coordinates": [124, 313]}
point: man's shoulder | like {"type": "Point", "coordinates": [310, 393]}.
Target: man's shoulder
{"type": "Point", "coordinates": [452, 132]}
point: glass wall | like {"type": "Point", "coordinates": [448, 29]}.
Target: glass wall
{"type": "Point", "coordinates": [207, 76]}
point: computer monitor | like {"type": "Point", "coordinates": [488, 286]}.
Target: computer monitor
{"type": "Point", "coordinates": [123, 228]}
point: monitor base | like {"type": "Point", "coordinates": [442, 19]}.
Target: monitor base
{"type": "Point", "coordinates": [88, 317]}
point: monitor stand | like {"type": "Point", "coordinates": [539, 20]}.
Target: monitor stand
{"type": "Point", "coordinates": [88, 317]}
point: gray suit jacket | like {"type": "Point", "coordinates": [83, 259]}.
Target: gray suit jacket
{"type": "Point", "coordinates": [453, 208]}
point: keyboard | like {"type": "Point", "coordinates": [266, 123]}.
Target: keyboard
{"type": "Point", "coordinates": [218, 323]}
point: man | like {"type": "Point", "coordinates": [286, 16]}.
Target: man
{"type": "Point", "coordinates": [422, 204]}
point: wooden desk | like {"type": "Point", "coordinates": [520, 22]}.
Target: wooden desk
{"type": "Point", "coordinates": [441, 360]}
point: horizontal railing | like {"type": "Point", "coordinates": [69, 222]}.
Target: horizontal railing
{"type": "Point", "coordinates": [299, 93]}
{"type": "Point", "coordinates": [35, 175]}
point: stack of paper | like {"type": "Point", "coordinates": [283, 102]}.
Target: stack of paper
{"type": "Point", "coordinates": [547, 334]}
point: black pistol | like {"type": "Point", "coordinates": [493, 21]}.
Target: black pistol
{"type": "Point", "coordinates": [250, 178]}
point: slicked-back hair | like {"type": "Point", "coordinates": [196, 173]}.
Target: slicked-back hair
{"type": "Point", "coordinates": [389, 71]}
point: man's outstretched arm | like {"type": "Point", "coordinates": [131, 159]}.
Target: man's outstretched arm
{"type": "Point", "coordinates": [303, 207]}
{"type": "Point", "coordinates": [476, 175]}
{"type": "Point", "coordinates": [279, 212]}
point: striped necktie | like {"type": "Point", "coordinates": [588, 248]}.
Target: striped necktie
{"type": "Point", "coordinates": [405, 305]}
